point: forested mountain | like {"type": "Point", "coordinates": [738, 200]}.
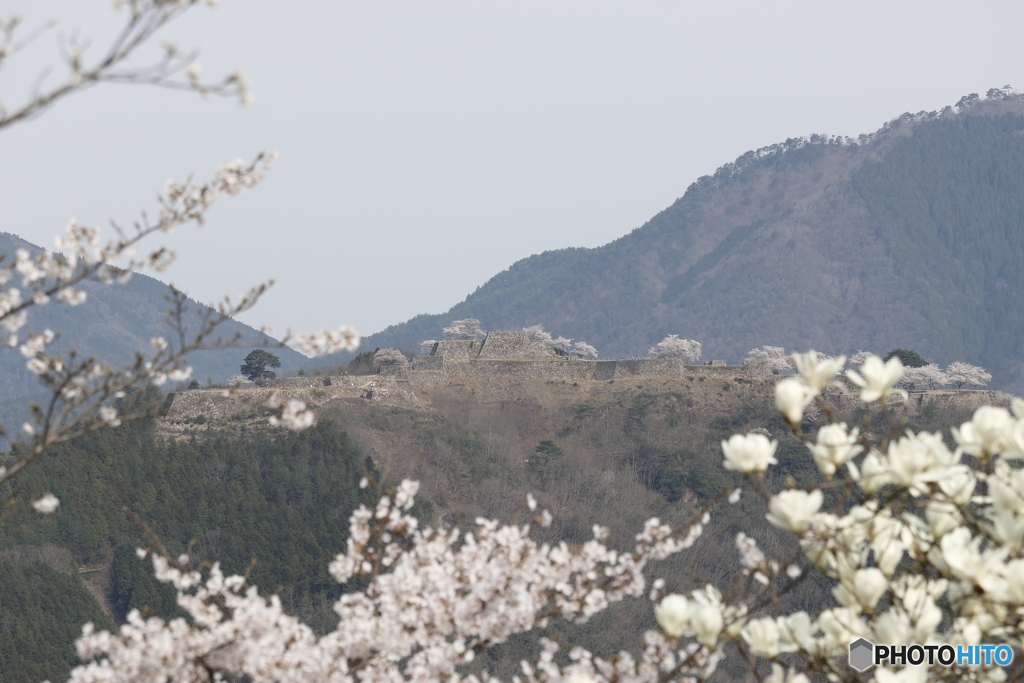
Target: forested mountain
{"type": "Point", "coordinates": [273, 504]}
{"type": "Point", "coordinates": [114, 322]}
{"type": "Point", "coordinates": [910, 237]}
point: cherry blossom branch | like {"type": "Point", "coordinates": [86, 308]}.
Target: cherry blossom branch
{"type": "Point", "coordinates": [145, 18]}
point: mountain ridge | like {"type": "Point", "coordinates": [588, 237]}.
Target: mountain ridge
{"type": "Point", "coordinates": [114, 322]}
{"type": "Point", "coordinates": [803, 244]}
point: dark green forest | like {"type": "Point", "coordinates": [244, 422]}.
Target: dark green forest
{"type": "Point", "coordinates": [949, 203]}
{"type": "Point", "coordinates": [275, 505]}
{"type": "Point", "coordinates": [41, 615]}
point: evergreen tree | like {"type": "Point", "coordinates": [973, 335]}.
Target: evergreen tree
{"type": "Point", "coordinates": [255, 365]}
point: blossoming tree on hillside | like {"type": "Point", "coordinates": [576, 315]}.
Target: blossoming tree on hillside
{"type": "Point", "coordinates": [930, 376]}
{"type": "Point", "coordinates": [959, 373]}
{"type": "Point", "coordinates": [468, 328]}
{"type": "Point", "coordinates": [686, 350]}
{"type": "Point", "coordinates": [562, 346]}
{"type": "Point", "coordinates": [389, 356]}
{"type": "Point", "coordinates": [774, 356]}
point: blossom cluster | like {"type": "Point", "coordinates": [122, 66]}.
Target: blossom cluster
{"type": "Point", "coordinates": [672, 346]}
{"type": "Point", "coordinates": [927, 548]}
{"type": "Point", "coordinates": [327, 341]}
{"type": "Point", "coordinates": [958, 373]}
{"type": "Point", "coordinates": [434, 599]}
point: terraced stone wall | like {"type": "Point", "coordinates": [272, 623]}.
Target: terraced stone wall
{"type": "Point", "coordinates": [513, 345]}
{"type": "Point", "coordinates": [575, 371]}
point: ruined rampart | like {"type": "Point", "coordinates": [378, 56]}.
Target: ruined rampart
{"type": "Point", "coordinates": [513, 345]}
{"type": "Point", "coordinates": [457, 349]}
{"type": "Point", "coordinates": [574, 371]}
{"type": "Point", "coordinates": [757, 369]}
{"type": "Point", "coordinates": [428, 363]}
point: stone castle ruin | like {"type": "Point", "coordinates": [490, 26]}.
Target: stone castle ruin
{"type": "Point", "coordinates": [513, 355]}
{"type": "Point", "coordinates": [500, 356]}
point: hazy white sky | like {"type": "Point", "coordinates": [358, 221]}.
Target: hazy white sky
{"type": "Point", "coordinates": [426, 146]}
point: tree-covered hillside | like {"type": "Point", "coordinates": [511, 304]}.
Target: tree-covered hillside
{"type": "Point", "coordinates": [905, 238]}
{"type": "Point", "coordinates": [949, 204]}
{"type": "Point", "coordinates": [41, 615]}
{"type": "Point", "coordinates": [273, 504]}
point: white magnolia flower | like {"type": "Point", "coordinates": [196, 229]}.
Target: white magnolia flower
{"type": "Point", "coordinates": [1017, 407]}
{"type": "Point", "coordinates": [750, 556]}
{"type": "Point", "coordinates": [1015, 581]}
{"type": "Point", "coordinates": [917, 460]}
{"type": "Point", "coordinates": [294, 415]}
{"type": "Point", "coordinates": [966, 560]}
{"type": "Point", "coordinates": [328, 341]}
{"type": "Point", "coordinates": [834, 446]}
{"type": "Point", "coordinates": [876, 378]}
{"type": "Point", "coordinates": [673, 614]}
{"type": "Point", "coordinates": [707, 621]}
{"type": "Point", "coordinates": [762, 635]}
{"type": "Point", "coordinates": [816, 370]}
{"type": "Point", "coordinates": [793, 509]}
{"type": "Point", "coordinates": [109, 415]}
{"type": "Point", "coordinates": [943, 517]}
{"type": "Point", "coordinates": [796, 632]}
{"type": "Point", "coordinates": [874, 473]}
{"type": "Point", "coordinates": [749, 453]}
{"type": "Point", "coordinates": [959, 484]}
{"type": "Point", "coordinates": [1007, 488]}
{"type": "Point", "coordinates": [791, 397]}
{"type": "Point", "coordinates": [842, 625]}
{"type": "Point", "coordinates": [865, 589]}
{"type": "Point", "coordinates": [990, 431]}
{"type": "Point", "coordinates": [889, 538]}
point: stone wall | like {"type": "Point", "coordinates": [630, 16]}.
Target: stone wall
{"type": "Point", "coordinates": [307, 382]}
{"type": "Point", "coordinates": [437, 369]}
{"type": "Point", "coordinates": [574, 371]}
{"type": "Point", "coordinates": [648, 367]}
{"type": "Point", "coordinates": [751, 370]}
{"type": "Point", "coordinates": [397, 370]}
{"type": "Point", "coordinates": [420, 377]}
{"type": "Point", "coordinates": [428, 363]}
{"type": "Point", "coordinates": [395, 397]}
{"type": "Point", "coordinates": [513, 345]}
{"type": "Point", "coordinates": [457, 349]}
{"type": "Point", "coordinates": [220, 403]}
